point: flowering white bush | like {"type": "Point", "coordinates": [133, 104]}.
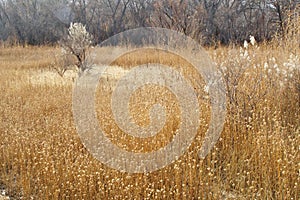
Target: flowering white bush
{"type": "Point", "coordinates": [79, 39]}
{"type": "Point", "coordinates": [77, 44]}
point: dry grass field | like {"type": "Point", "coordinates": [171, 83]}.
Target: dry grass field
{"type": "Point", "coordinates": [257, 156]}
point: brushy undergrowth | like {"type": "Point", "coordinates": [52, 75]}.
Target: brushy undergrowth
{"type": "Point", "coordinates": [257, 156]}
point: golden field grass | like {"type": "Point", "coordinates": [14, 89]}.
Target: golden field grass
{"type": "Point", "coordinates": [257, 156]}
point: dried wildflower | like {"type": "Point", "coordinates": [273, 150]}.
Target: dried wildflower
{"type": "Point", "coordinates": [246, 44]}
{"type": "Point", "coordinates": [252, 40]}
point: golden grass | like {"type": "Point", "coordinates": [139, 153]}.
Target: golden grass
{"type": "Point", "coordinates": [257, 156]}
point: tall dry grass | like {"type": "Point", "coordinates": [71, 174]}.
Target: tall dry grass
{"type": "Point", "coordinates": [257, 156]}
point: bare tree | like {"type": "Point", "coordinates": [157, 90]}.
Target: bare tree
{"type": "Point", "coordinates": [183, 16]}
{"type": "Point", "coordinates": [30, 21]}
{"type": "Point", "coordinates": [140, 11]}
{"type": "Point", "coordinates": [115, 15]}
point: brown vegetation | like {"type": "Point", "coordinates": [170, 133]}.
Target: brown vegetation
{"type": "Point", "coordinates": [257, 156]}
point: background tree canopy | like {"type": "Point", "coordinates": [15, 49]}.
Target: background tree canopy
{"type": "Point", "coordinates": [38, 22]}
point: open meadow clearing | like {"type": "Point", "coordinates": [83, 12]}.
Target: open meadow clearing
{"type": "Point", "coordinates": [256, 157]}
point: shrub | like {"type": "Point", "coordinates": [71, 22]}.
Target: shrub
{"type": "Point", "coordinates": [76, 45]}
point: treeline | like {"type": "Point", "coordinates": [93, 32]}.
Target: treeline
{"type": "Point", "coordinates": [38, 22]}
